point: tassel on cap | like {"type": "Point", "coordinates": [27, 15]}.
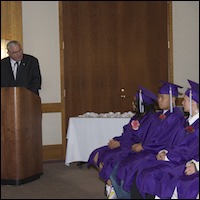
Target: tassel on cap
{"type": "Point", "coordinates": [145, 96]}
{"type": "Point", "coordinates": [141, 104]}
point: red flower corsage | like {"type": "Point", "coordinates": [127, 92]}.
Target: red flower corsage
{"type": "Point", "coordinates": [189, 129]}
{"type": "Point", "coordinates": [135, 125]}
{"type": "Point", "coordinates": [162, 116]}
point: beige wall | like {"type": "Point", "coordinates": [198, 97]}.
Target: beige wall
{"type": "Point", "coordinates": [40, 25]}
{"type": "Point", "coordinates": [186, 41]}
{"type": "Point", "coordinates": [41, 38]}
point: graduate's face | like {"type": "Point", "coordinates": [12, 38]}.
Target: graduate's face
{"type": "Point", "coordinates": [186, 103]}
{"type": "Point", "coordinates": [164, 101]}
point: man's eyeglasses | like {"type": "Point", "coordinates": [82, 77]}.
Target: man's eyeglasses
{"type": "Point", "coordinates": [16, 52]}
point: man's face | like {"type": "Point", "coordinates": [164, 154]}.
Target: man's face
{"type": "Point", "coordinates": [15, 52]}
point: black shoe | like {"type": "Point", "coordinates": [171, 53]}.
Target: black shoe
{"type": "Point", "coordinates": [149, 196]}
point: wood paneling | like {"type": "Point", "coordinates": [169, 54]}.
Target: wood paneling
{"type": "Point", "coordinates": [62, 77]}
{"type": "Point", "coordinates": [170, 42]}
{"type": "Point", "coordinates": [11, 20]}
{"type": "Point", "coordinates": [51, 107]}
{"type": "Point", "coordinates": [110, 49]}
{"type": "Point", "coordinates": [179, 102]}
{"type": "Point", "coordinates": [142, 47]}
{"type": "Point", "coordinates": [53, 152]}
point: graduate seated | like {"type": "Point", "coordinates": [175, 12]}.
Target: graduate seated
{"type": "Point", "coordinates": [105, 157]}
{"type": "Point", "coordinates": [171, 173]}
{"type": "Point", "coordinates": [162, 134]}
{"type": "Point", "coordinates": [187, 186]}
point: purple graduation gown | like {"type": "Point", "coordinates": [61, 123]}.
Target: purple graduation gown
{"type": "Point", "coordinates": [161, 177]}
{"type": "Point", "coordinates": [162, 134]}
{"type": "Point", "coordinates": [129, 137]}
{"type": "Point", "coordinates": [188, 186]}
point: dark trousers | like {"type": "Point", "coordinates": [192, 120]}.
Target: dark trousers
{"type": "Point", "coordinates": [135, 194]}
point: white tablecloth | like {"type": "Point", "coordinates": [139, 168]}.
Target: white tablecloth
{"type": "Point", "coordinates": [86, 134]}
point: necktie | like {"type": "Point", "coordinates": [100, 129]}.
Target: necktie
{"type": "Point", "coordinates": [15, 69]}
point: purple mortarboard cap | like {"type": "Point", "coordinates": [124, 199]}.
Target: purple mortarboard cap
{"type": "Point", "coordinates": [147, 96]}
{"type": "Point", "coordinates": [165, 89]}
{"type": "Point", "coordinates": [194, 91]}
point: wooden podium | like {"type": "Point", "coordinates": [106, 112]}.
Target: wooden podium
{"type": "Point", "coordinates": [21, 136]}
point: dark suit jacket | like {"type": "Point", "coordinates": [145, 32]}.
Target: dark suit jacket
{"type": "Point", "coordinates": [28, 74]}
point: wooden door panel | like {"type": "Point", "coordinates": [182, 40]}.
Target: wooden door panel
{"type": "Point", "coordinates": [90, 59]}
{"type": "Point", "coordinates": [110, 46]}
{"type": "Point", "coordinates": [142, 47]}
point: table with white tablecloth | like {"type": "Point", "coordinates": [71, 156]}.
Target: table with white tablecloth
{"type": "Point", "coordinates": [86, 134]}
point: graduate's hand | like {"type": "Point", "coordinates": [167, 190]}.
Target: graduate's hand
{"type": "Point", "coordinates": [190, 169]}
{"type": "Point", "coordinates": [137, 147]}
{"type": "Point", "coordinates": [112, 144]}
{"type": "Point", "coordinates": [161, 155]}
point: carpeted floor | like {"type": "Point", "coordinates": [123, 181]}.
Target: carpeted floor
{"type": "Point", "coordinates": [59, 182]}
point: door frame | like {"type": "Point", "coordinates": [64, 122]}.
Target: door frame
{"type": "Point", "coordinates": [62, 67]}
